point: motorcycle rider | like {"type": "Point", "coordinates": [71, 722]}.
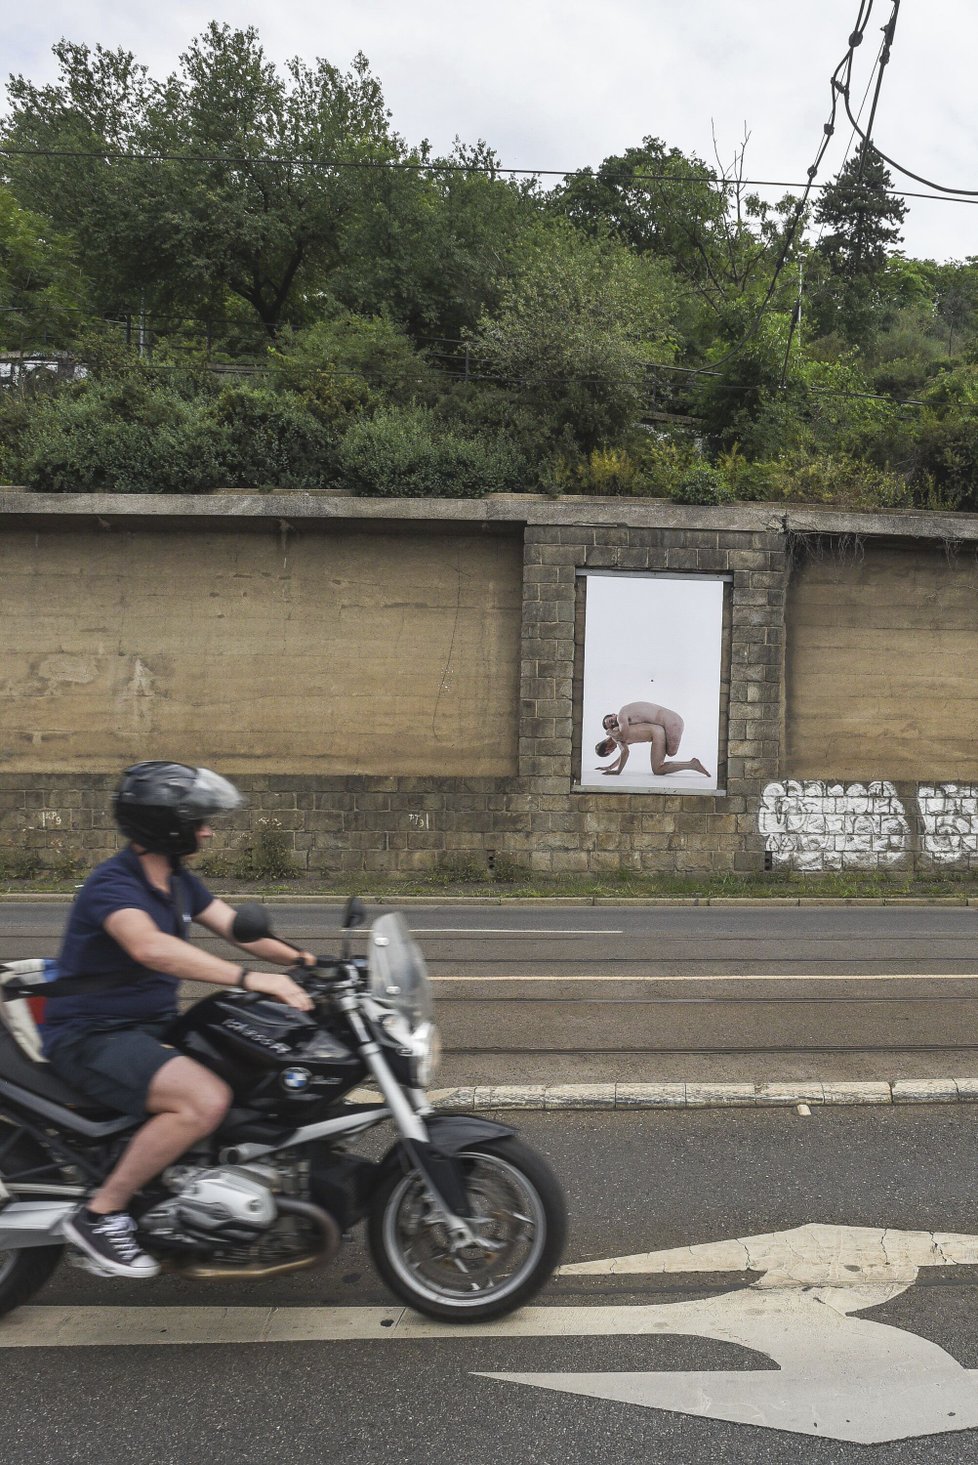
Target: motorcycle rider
{"type": "Point", "coordinates": [129, 923]}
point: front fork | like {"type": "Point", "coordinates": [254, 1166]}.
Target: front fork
{"type": "Point", "coordinates": [442, 1173]}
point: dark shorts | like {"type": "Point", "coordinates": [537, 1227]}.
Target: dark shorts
{"type": "Point", "coordinates": [114, 1063]}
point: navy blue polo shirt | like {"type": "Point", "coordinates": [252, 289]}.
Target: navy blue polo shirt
{"type": "Point", "coordinates": [88, 950]}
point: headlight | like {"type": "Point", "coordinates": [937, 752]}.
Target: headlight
{"type": "Point", "coordinates": [420, 1045]}
{"type": "Point", "coordinates": [427, 1053]}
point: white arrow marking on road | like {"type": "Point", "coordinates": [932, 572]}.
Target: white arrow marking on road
{"type": "Point", "coordinates": [840, 1377]}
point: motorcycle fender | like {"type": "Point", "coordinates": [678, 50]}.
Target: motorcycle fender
{"type": "Point", "coordinates": [452, 1132]}
{"type": "Point", "coordinates": [33, 1223]}
{"type": "Point", "coordinates": [447, 1135]}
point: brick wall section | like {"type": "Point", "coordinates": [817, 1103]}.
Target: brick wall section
{"type": "Point", "coordinates": [348, 824]}
{"type": "Point", "coordinates": [337, 824]}
{"type": "Point", "coordinates": [578, 832]}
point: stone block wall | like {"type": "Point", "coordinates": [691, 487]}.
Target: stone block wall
{"type": "Point", "coordinates": [518, 804]}
{"type": "Point", "coordinates": [577, 832]}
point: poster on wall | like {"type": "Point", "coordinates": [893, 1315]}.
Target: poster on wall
{"type": "Point", "coordinates": [651, 714]}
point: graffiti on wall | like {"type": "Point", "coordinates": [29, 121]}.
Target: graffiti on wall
{"type": "Point", "coordinates": [814, 825]}
{"type": "Point", "coordinates": [949, 816]}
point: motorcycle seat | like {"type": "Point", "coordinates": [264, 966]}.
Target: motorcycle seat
{"type": "Point", "coordinates": [40, 1079]}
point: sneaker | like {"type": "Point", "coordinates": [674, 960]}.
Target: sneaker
{"type": "Point", "coordinates": [110, 1242]}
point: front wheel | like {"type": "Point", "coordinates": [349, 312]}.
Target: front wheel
{"type": "Point", "coordinates": [517, 1212]}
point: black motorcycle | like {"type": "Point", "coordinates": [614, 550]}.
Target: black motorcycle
{"type": "Point", "coordinates": [464, 1221]}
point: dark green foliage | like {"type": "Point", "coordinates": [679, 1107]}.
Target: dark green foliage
{"type": "Point", "coordinates": [403, 452]}
{"type": "Point", "coordinates": [860, 217]}
{"type": "Point", "coordinates": [257, 437]}
{"type": "Point", "coordinates": [413, 325]}
{"type": "Point", "coordinates": [702, 486]}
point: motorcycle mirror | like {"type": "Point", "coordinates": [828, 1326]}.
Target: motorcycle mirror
{"type": "Point", "coordinates": [354, 915]}
{"type": "Point", "coordinates": [251, 923]}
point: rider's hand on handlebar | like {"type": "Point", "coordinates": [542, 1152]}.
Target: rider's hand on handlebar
{"type": "Point", "coordinates": [282, 988]}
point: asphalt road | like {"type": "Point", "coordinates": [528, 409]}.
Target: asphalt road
{"type": "Point", "coordinates": [567, 993]}
{"type": "Point", "coordinates": [635, 1183]}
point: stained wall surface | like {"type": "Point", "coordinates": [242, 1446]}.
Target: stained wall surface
{"type": "Point", "coordinates": [882, 664]}
{"type": "Point", "coordinates": [376, 652]}
{"type": "Point", "coordinates": [396, 685]}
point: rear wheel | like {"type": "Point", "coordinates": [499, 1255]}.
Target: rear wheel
{"type": "Point", "coordinates": [22, 1273]}
{"type": "Point", "coordinates": [519, 1220]}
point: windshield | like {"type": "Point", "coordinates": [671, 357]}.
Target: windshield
{"type": "Point", "coordinates": [398, 975]}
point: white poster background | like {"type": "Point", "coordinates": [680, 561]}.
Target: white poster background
{"type": "Point", "coordinates": [652, 638]}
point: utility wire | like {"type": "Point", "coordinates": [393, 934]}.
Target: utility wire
{"type": "Point", "coordinates": [839, 87]}
{"type": "Point", "coordinates": [796, 313]}
{"type": "Point", "coordinates": [632, 178]}
{"type": "Point", "coordinates": [964, 195]}
{"type": "Point", "coordinates": [628, 180]}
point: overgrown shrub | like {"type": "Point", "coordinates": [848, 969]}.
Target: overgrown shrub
{"type": "Point", "coordinates": [404, 452]}
{"type": "Point", "coordinates": [703, 485]}
{"type": "Point", "coordinates": [256, 437]}
{"type": "Point", "coordinates": [125, 435]}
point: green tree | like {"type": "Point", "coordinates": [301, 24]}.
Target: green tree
{"type": "Point", "coordinates": [860, 220]}
{"type": "Point", "coordinates": [576, 333]}
{"type": "Point", "coordinates": [256, 174]}
{"type": "Point", "coordinates": [434, 249]}
{"type": "Point", "coordinates": [860, 217]}
{"type": "Point", "coordinates": [718, 236]}
{"type": "Point", "coordinates": [43, 293]}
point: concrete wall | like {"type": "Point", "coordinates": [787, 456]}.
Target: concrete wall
{"type": "Point", "coordinates": [254, 646]}
{"type": "Point", "coordinates": [882, 662]}
{"type": "Point", "coordinates": [397, 684]}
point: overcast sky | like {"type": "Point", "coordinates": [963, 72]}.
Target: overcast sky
{"type": "Point", "coordinates": [554, 85]}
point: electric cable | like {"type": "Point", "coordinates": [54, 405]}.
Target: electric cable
{"type": "Point", "coordinates": [963, 194]}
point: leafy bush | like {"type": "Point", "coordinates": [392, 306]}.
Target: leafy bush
{"type": "Point", "coordinates": [350, 361]}
{"type": "Point", "coordinates": [256, 437]}
{"type": "Point", "coordinates": [402, 452]}
{"type": "Point", "coordinates": [266, 855]}
{"type": "Point", "coordinates": [125, 435]}
{"type": "Point", "coordinates": [704, 485]}
{"type": "Point", "coordinates": [132, 430]}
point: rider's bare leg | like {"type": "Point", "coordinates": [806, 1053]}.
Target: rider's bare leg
{"type": "Point", "coordinates": [187, 1102]}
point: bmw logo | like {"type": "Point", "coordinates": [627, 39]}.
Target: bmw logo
{"type": "Point", "coordinates": [295, 1079]}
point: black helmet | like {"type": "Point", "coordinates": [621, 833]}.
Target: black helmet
{"type": "Point", "coordinates": [160, 805]}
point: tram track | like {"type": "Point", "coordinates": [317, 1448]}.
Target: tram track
{"type": "Point", "coordinates": [651, 994]}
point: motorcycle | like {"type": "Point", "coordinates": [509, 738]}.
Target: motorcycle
{"type": "Point", "coordinates": [464, 1221]}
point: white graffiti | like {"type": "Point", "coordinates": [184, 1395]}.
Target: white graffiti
{"type": "Point", "coordinates": [814, 825]}
{"type": "Point", "coordinates": [949, 814]}
{"type": "Point", "coordinates": [838, 1376]}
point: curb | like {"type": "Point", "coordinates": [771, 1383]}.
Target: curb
{"type": "Point", "coordinates": [620, 1096]}
{"type": "Point", "coordinates": [769, 902]}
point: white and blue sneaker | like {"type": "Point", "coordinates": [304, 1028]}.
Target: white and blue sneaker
{"type": "Point", "coordinates": [109, 1244]}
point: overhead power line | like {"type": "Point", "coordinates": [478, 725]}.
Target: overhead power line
{"type": "Point", "coordinates": [957, 195]}
{"type": "Point", "coordinates": [633, 178]}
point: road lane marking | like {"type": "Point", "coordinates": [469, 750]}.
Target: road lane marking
{"type": "Point", "coordinates": [837, 1376]}
{"type": "Point", "coordinates": [99, 1327]}
{"type": "Point", "coordinates": [717, 977]}
{"type": "Point", "coordinates": [526, 931]}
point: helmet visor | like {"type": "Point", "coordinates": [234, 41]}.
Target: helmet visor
{"type": "Point", "coordinates": [209, 794]}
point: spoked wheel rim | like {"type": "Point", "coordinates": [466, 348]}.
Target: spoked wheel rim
{"type": "Point", "coordinates": [510, 1224]}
